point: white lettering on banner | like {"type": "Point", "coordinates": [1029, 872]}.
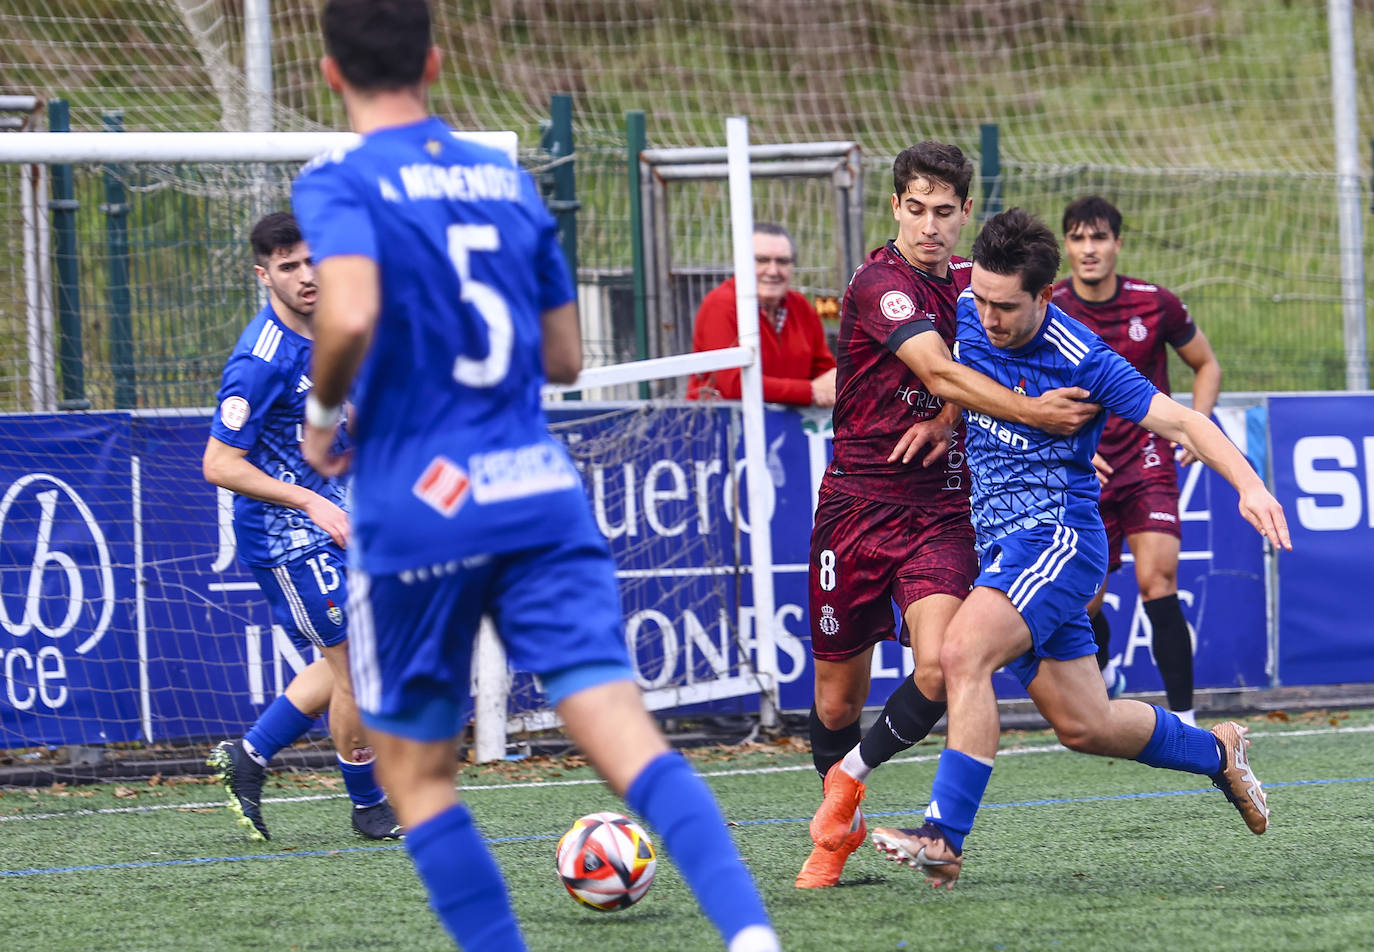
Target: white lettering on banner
{"type": "Point", "coordinates": [1191, 474]}
{"type": "Point", "coordinates": [21, 669]}
{"type": "Point", "coordinates": [1340, 482]}
{"type": "Point", "coordinates": [24, 657]}
{"type": "Point", "coordinates": [880, 666]}
{"type": "Point", "coordinates": [287, 662]}
{"type": "Point", "coordinates": [651, 496]}
{"type": "Point", "coordinates": [32, 618]}
{"type": "Point", "coordinates": [664, 652]}
{"type": "Point", "coordinates": [224, 530]}
{"type": "Point", "coordinates": [787, 641]}
{"type": "Point", "coordinates": [1141, 635]}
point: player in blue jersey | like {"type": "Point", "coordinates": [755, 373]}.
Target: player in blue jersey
{"type": "Point", "coordinates": [1043, 552]}
{"type": "Point", "coordinates": [445, 302]}
{"type": "Point", "coordinates": [291, 530]}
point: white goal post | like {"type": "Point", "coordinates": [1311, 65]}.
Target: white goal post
{"type": "Point", "coordinates": [37, 151]}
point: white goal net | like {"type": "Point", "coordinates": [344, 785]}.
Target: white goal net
{"type": "Point", "coordinates": [127, 624]}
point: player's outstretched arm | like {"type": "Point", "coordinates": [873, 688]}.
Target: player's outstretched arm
{"type": "Point", "coordinates": [1061, 412]}
{"type": "Point", "coordinates": [227, 466]}
{"type": "Point", "coordinates": [1204, 439]}
{"type": "Point", "coordinates": [345, 317]}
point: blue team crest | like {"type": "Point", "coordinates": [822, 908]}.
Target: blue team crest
{"type": "Point", "coordinates": [1020, 386]}
{"type": "Point", "coordinates": [335, 614]}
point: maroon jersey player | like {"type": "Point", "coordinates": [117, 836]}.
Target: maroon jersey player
{"type": "Point", "coordinates": [891, 527]}
{"type": "Point", "coordinates": [1139, 482]}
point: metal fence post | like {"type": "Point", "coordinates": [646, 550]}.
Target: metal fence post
{"type": "Point", "coordinates": [64, 206]}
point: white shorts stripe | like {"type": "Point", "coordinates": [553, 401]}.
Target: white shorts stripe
{"type": "Point", "coordinates": [1028, 575]}
{"type": "Point", "coordinates": [297, 605]}
{"type": "Point", "coordinates": [362, 643]}
{"type": "Point", "coordinates": [1046, 568]}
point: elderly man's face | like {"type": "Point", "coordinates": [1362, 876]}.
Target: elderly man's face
{"type": "Point", "coordinates": [773, 264]}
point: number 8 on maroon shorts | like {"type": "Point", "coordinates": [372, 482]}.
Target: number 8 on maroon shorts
{"type": "Point", "coordinates": [867, 554]}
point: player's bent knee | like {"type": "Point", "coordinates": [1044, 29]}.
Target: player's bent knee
{"type": "Point", "coordinates": [837, 713]}
{"type": "Point", "coordinates": [1081, 736]}
{"type": "Point", "coordinates": [930, 681]}
{"type": "Point", "coordinates": [961, 660]}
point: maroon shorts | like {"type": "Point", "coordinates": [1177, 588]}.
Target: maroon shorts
{"type": "Point", "coordinates": [866, 555]}
{"type": "Point", "coordinates": [1149, 505]}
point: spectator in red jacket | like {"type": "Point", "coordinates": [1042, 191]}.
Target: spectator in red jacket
{"type": "Point", "coordinates": [798, 367]}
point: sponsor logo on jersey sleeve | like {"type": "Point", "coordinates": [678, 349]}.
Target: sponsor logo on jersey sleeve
{"type": "Point", "coordinates": [233, 412]}
{"type": "Point", "coordinates": [897, 306]}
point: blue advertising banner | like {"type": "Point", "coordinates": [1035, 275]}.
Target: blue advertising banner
{"type": "Point", "coordinates": [69, 661]}
{"type": "Point", "coordinates": [125, 614]}
{"type": "Point", "coordinates": [1323, 456]}
{"type": "Point", "coordinates": [1221, 588]}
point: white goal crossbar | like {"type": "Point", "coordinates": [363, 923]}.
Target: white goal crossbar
{"type": "Point", "coordinates": [64, 147]}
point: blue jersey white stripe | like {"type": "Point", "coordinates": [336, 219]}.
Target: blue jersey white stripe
{"type": "Point", "coordinates": [1062, 338]}
{"type": "Point", "coordinates": [1022, 476]}
{"type": "Point", "coordinates": [261, 405]}
{"type": "Point", "coordinates": [265, 348]}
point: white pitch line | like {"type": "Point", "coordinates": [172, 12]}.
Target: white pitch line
{"type": "Point", "coordinates": [532, 784]}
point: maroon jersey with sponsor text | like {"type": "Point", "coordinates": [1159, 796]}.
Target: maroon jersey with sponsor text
{"type": "Point", "coordinates": [877, 397]}
{"type": "Point", "coordinates": [1140, 321]}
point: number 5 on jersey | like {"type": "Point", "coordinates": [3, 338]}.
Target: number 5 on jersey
{"type": "Point", "coordinates": [469, 371]}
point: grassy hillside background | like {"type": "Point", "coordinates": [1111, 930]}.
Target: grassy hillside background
{"type": "Point", "coordinates": [1208, 123]}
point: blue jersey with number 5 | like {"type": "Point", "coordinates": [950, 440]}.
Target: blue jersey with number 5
{"type": "Point", "coordinates": [453, 457]}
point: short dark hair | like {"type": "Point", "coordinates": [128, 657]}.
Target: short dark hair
{"type": "Point", "coordinates": [771, 228]}
{"type": "Point", "coordinates": [277, 230]}
{"type": "Point", "coordinates": [1016, 242]}
{"type": "Point", "coordinates": [378, 44]}
{"type": "Point", "coordinates": [936, 162]}
{"type": "Point", "coordinates": [1088, 211]}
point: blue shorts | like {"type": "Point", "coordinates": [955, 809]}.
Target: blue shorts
{"type": "Point", "coordinates": [308, 596]}
{"type": "Point", "coordinates": [556, 609]}
{"type": "Point", "coordinates": [1050, 573]}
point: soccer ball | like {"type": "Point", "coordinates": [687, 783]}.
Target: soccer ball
{"type": "Point", "coordinates": [606, 861]}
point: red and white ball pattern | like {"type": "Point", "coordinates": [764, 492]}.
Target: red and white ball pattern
{"type": "Point", "coordinates": [606, 861]}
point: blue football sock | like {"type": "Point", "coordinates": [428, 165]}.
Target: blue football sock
{"type": "Point", "coordinates": [1180, 747]}
{"type": "Point", "coordinates": [281, 725]}
{"type": "Point", "coordinates": [465, 887]}
{"type": "Point", "coordinates": [362, 785]}
{"type": "Point", "coordinates": [679, 806]}
{"type": "Point", "coordinates": [960, 781]}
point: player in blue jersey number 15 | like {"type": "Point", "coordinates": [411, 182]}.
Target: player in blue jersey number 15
{"type": "Point", "coordinates": [1043, 552]}
{"type": "Point", "coordinates": [444, 304]}
{"type": "Point", "coordinates": [291, 529]}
